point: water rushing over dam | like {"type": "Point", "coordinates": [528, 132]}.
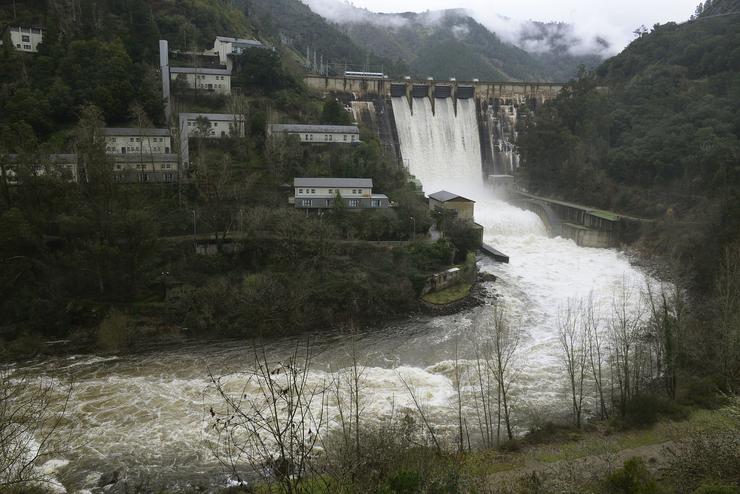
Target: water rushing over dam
{"type": "Point", "coordinates": [147, 416]}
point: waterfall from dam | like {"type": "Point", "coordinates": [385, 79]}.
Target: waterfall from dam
{"type": "Point", "coordinates": [438, 145]}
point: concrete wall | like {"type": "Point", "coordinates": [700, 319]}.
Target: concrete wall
{"type": "Point", "coordinates": [483, 90]}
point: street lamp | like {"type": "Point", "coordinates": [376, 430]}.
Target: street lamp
{"type": "Point", "coordinates": [195, 230]}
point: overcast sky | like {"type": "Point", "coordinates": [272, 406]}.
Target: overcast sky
{"type": "Point", "coordinates": [616, 19]}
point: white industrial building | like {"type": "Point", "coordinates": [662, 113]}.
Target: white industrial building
{"type": "Point", "coordinates": [203, 79]}
{"type": "Point", "coordinates": [148, 168]}
{"type": "Point", "coordinates": [26, 39]}
{"type": "Point", "coordinates": [322, 193]}
{"type": "Point", "coordinates": [225, 46]}
{"type": "Point", "coordinates": [64, 165]}
{"type": "Point", "coordinates": [137, 141]}
{"type": "Point", "coordinates": [218, 126]}
{"type": "Point", "coordinates": [319, 134]}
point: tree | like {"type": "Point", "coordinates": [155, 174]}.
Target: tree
{"type": "Point", "coordinates": [30, 418]}
{"type": "Point", "coordinates": [496, 348]}
{"type": "Point", "coordinates": [334, 113]}
{"type": "Point", "coordinates": [728, 317]}
{"type": "Point", "coordinates": [272, 422]}
{"type": "Point", "coordinates": [572, 336]}
{"type": "Point", "coordinates": [595, 351]}
{"type": "Point", "coordinates": [624, 326]}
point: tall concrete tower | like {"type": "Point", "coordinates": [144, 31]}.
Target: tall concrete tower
{"type": "Point", "coordinates": [164, 65]}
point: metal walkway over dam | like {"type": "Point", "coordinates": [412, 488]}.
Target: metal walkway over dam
{"type": "Point", "coordinates": [483, 90]}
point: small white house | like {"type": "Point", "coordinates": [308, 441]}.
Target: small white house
{"type": "Point", "coordinates": [26, 39]}
{"type": "Point", "coordinates": [137, 141]}
{"type": "Point", "coordinates": [206, 79]}
{"type": "Point", "coordinates": [319, 134]}
{"type": "Point", "coordinates": [224, 46]}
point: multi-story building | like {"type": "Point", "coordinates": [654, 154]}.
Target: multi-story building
{"type": "Point", "coordinates": [322, 193]}
{"type": "Point", "coordinates": [319, 134]}
{"type": "Point", "coordinates": [26, 39]}
{"type": "Point", "coordinates": [149, 168]}
{"type": "Point", "coordinates": [217, 81]}
{"type": "Point", "coordinates": [210, 126]}
{"type": "Point", "coordinates": [137, 141]}
{"type": "Point", "coordinates": [64, 165]}
{"type": "Point", "coordinates": [224, 46]}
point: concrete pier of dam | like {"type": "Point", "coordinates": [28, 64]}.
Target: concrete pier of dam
{"type": "Point", "coordinates": [483, 90]}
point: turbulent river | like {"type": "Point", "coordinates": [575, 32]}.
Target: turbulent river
{"type": "Point", "coordinates": [147, 414]}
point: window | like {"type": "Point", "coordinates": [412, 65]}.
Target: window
{"type": "Point", "coordinates": [345, 137]}
{"type": "Point", "coordinates": [138, 139]}
{"type": "Point", "coordinates": [131, 139]}
{"type": "Point", "coordinates": [306, 203]}
{"type": "Point", "coordinates": [26, 39]}
{"type": "Point", "coordinates": [313, 191]}
{"type": "Point", "coordinates": [331, 137]}
{"type": "Point", "coordinates": [354, 203]}
{"type": "Point", "coordinates": [168, 177]}
{"type": "Point", "coordinates": [329, 202]}
{"type": "Point", "coordinates": [300, 191]}
{"type": "Point", "coordinates": [331, 191]}
{"type": "Point", "coordinates": [376, 203]}
{"type": "Point", "coordinates": [359, 191]}
{"type": "Point", "coordinates": [306, 136]}
{"type": "Point", "coordinates": [118, 167]}
{"type": "Point", "coordinates": [354, 191]}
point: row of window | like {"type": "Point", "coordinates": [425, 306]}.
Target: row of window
{"type": "Point", "coordinates": [331, 191]}
{"type": "Point", "coordinates": [330, 137]}
{"type": "Point", "coordinates": [353, 203]}
{"type": "Point", "coordinates": [137, 139]}
{"type": "Point", "coordinates": [145, 177]}
{"type": "Point", "coordinates": [218, 77]}
{"type": "Point", "coordinates": [193, 123]}
{"type": "Point", "coordinates": [143, 166]}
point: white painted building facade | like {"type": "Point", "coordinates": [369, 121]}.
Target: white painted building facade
{"type": "Point", "coordinates": [151, 168]}
{"type": "Point", "coordinates": [219, 126]}
{"type": "Point", "coordinates": [26, 39]}
{"type": "Point", "coordinates": [319, 134]}
{"type": "Point", "coordinates": [322, 193]}
{"type": "Point", "coordinates": [203, 79]}
{"type": "Point", "coordinates": [137, 141]}
{"type": "Point", "coordinates": [225, 46]}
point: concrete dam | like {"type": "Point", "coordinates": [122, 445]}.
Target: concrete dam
{"type": "Point", "coordinates": [462, 135]}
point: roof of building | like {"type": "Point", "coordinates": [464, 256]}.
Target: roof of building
{"type": "Point", "coordinates": [199, 70]}
{"type": "Point", "coordinates": [240, 41]}
{"type": "Point", "coordinates": [135, 131]}
{"type": "Point", "coordinates": [218, 117]}
{"type": "Point", "coordinates": [145, 158]}
{"type": "Point", "coordinates": [444, 196]}
{"type": "Point", "coordinates": [334, 182]}
{"type": "Point", "coordinates": [323, 129]}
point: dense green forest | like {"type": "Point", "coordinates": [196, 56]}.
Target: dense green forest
{"type": "Point", "coordinates": [655, 132]}
{"type": "Point", "coordinates": [73, 253]}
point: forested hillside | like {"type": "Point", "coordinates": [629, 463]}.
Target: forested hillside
{"type": "Point", "coordinates": [294, 24]}
{"type": "Point", "coordinates": [76, 256]}
{"type": "Point", "coordinates": [655, 132]}
{"type": "Point", "coordinates": [450, 43]}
